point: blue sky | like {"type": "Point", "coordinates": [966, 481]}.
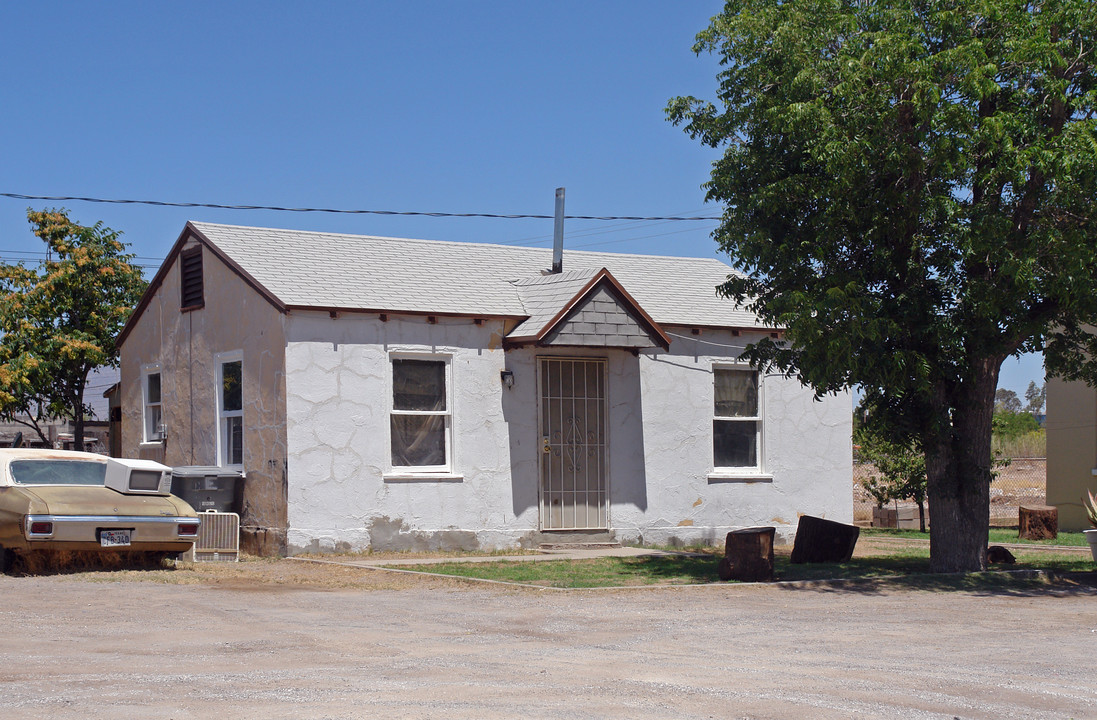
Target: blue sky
{"type": "Point", "coordinates": [408, 106]}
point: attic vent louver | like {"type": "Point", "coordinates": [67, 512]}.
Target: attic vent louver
{"type": "Point", "coordinates": [190, 267]}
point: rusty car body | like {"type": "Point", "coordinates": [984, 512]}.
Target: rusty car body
{"type": "Point", "coordinates": [58, 500]}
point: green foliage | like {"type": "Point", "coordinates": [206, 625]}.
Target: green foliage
{"type": "Point", "coordinates": [1010, 425]}
{"type": "Point", "coordinates": [902, 470]}
{"type": "Point", "coordinates": [910, 190]}
{"type": "Point", "coordinates": [1091, 508]}
{"type": "Point", "coordinates": [60, 320]}
{"type": "Point", "coordinates": [881, 491]}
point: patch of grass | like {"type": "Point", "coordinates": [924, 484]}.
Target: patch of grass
{"type": "Point", "coordinates": [701, 569]}
{"type": "Point", "coordinates": [998, 536]}
{"type": "Point", "coordinates": [596, 572]}
{"type": "Point", "coordinates": [1030, 445]}
{"type": "Point", "coordinates": [915, 560]}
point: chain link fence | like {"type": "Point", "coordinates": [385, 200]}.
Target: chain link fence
{"type": "Point", "coordinates": [1023, 481]}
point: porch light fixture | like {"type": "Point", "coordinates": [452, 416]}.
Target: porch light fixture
{"type": "Point", "coordinates": [507, 376]}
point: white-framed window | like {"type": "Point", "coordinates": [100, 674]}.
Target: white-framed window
{"type": "Point", "coordinates": [736, 419]}
{"type": "Point", "coordinates": [420, 425]}
{"type": "Point", "coordinates": [230, 409]}
{"type": "Point", "coordinates": [152, 406]}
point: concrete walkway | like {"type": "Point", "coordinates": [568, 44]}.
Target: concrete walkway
{"type": "Point", "coordinates": [581, 553]}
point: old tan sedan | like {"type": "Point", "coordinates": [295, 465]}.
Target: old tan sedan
{"type": "Point", "coordinates": [62, 500]}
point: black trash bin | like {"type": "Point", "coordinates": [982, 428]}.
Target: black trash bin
{"type": "Point", "coordinates": [208, 487]}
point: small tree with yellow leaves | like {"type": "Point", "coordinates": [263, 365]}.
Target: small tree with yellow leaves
{"type": "Point", "coordinates": [60, 320]}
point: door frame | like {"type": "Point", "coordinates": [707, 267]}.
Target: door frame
{"type": "Point", "coordinates": [603, 361]}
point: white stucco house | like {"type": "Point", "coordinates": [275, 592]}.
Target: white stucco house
{"type": "Point", "coordinates": [394, 393]}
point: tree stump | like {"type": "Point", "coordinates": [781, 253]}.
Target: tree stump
{"type": "Point", "coordinates": [1038, 522]}
{"type": "Point", "coordinates": [748, 555]}
{"type": "Point", "coordinates": [819, 541]}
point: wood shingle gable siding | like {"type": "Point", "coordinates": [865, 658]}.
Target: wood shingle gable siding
{"type": "Point", "coordinates": [601, 321]}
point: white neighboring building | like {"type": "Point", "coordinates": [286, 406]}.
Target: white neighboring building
{"type": "Point", "coordinates": [409, 394]}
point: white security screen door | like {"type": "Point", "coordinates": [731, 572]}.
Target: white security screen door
{"type": "Point", "coordinates": [573, 444]}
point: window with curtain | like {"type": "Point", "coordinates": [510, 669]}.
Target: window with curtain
{"type": "Point", "coordinates": [736, 422]}
{"type": "Point", "coordinates": [420, 420]}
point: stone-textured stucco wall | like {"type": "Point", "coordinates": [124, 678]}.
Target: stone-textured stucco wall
{"type": "Point", "coordinates": [235, 318]}
{"type": "Point", "coordinates": [1071, 449]}
{"type": "Point", "coordinates": [342, 494]}
{"type": "Point", "coordinates": [661, 487]}
{"type": "Point", "coordinates": [807, 450]}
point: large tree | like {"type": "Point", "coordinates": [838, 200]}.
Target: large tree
{"type": "Point", "coordinates": [910, 189]}
{"type": "Point", "coordinates": [59, 320]}
{"type": "Point", "coordinates": [1035, 398]}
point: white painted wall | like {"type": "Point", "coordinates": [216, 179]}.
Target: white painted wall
{"type": "Point", "coordinates": [338, 381]}
{"type": "Point", "coordinates": [338, 389]}
{"type": "Point", "coordinates": [807, 451]}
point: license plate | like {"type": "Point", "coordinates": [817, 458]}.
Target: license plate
{"type": "Point", "coordinates": [114, 538]}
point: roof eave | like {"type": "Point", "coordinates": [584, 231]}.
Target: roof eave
{"type": "Point", "coordinates": [397, 311]}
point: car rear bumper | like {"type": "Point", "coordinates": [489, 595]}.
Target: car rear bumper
{"type": "Point", "coordinates": [86, 529]}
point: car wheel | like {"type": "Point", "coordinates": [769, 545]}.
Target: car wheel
{"type": "Point", "coordinates": [6, 558]}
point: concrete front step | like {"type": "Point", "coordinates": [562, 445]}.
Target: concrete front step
{"type": "Point", "coordinates": [575, 540]}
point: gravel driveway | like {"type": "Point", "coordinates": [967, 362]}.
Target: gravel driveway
{"type": "Point", "coordinates": [76, 648]}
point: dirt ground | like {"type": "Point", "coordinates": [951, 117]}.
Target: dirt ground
{"type": "Point", "coordinates": [286, 639]}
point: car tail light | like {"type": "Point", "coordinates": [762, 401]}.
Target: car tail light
{"type": "Point", "coordinates": [188, 528]}
{"type": "Point", "coordinates": [41, 527]}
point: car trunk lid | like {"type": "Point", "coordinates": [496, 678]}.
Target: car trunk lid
{"type": "Point", "coordinates": [84, 500]}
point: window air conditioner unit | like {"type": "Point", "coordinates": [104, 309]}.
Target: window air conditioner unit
{"type": "Point", "coordinates": [138, 477]}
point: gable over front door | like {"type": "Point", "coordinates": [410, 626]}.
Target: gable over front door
{"type": "Point", "coordinates": [573, 443]}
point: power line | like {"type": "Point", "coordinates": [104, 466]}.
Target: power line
{"type": "Point", "coordinates": [36, 253]}
{"type": "Point", "coordinates": [21, 256]}
{"type": "Point", "coordinates": [604, 230]}
{"type": "Point", "coordinates": [630, 239]}
{"type": "Point", "coordinates": [217, 206]}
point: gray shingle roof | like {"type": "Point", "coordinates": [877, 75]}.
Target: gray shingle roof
{"type": "Point", "coordinates": [544, 296]}
{"type": "Point", "coordinates": [328, 270]}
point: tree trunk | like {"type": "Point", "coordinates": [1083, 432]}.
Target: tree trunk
{"type": "Point", "coordinates": [958, 469]}
{"type": "Point", "coordinates": [33, 425]}
{"type": "Point", "coordinates": [78, 430]}
{"type": "Point", "coordinates": [77, 405]}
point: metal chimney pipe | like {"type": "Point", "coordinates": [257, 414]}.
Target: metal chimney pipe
{"type": "Point", "coordinates": [558, 233]}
